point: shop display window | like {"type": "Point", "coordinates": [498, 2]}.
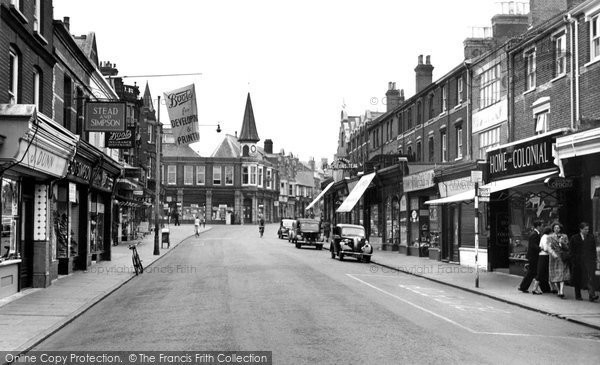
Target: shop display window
{"type": "Point", "coordinates": [61, 220]}
{"type": "Point", "coordinates": [375, 221]}
{"type": "Point", "coordinates": [526, 209]}
{"type": "Point", "coordinates": [96, 224]}
{"type": "Point", "coordinates": [8, 231]}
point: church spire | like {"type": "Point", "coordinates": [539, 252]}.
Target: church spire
{"type": "Point", "coordinates": [148, 98]}
{"type": "Point", "coordinates": [249, 133]}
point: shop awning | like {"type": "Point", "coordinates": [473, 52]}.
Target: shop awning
{"type": "Point", "coordinates": [494, 187]}
{"type": "Point", "coordinates": [579, 144]}
{"type": "Point", "coordinates": [356, 193]}
{"type": "Point", "coordinates": [320, 195]}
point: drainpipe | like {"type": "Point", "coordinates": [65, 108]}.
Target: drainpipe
{"type": "Point", "coordinates": [469, 127]}
{"type": "Point", "coordinates": [573, 59]}
{"type": "Point", "coordinates": [576, 98]}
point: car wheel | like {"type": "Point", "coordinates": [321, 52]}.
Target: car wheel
{"type": "Point", "coordinates": [341, 256]}
{"type": "Point", "coordinates": [319, 247]}
{"type": "Point", "coordinates": [298, 245]}
{"type": "Point", "coordinates": [280, 237]}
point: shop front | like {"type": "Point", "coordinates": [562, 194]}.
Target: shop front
{"type": "Point", "coordinates": [34, 154]}
{"type": "Point", "coordinates": [101, 218]}
{"type": "Point", "coordinates": [369, 209]}
{"type": "Point", "coordinates": [520, 176]}
{"type": "Point", "coordinates": [418, 188]}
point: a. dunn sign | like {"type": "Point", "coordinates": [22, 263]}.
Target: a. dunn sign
{"type": "Point", "coordinates": [532, 155]}
{"type": "Point", "coordinates": [105, 116]}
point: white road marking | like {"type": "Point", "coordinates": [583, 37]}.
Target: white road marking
{"type": "Point", "coordinates": [458, 324]}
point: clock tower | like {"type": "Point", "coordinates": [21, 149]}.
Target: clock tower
{"type": "Point", "coordinates": [248, 136]}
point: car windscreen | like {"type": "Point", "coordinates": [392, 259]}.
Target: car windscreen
{"type": "Point", "coordinates": [287, 223]}
{"type": "Point", "coordinates": [351, 231]}
{"type": "Point", "coordinates": [309, 226]}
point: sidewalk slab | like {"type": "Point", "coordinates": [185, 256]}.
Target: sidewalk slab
{"type": "Point", "coordinates": [496, 285]}
{"type": "Point", "coordinates": [33, 315]}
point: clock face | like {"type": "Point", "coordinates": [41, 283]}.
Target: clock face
{"type": "Point", "coordinates": [253, 149]}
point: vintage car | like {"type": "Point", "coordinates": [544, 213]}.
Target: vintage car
{"type": "Point", "coordinates": [306, 231]}
{"type": "Point", "coordinates": [350, 240]}
{"type": "Point", "coordinates": [284, 228]}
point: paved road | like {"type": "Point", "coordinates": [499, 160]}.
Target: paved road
{"type": "Point", "coordinates": [230, 290]}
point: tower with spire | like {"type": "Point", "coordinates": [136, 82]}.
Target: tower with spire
{"type": "Point", "coordinates": [248, 136]}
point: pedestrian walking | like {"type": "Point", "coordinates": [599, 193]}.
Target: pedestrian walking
{"type": "Point", "coordinates": [533, 250]}
{"type": "Point", "coordinates": [326, 230]}
{"type": "Point", "coordinates": [203, 221]}
{"type": "Point", "coordinates": [559, 257]}
{"type": "Point", "coordinates": [583, 261]}
{"type": "Point", "coordinates": [176, 217]}
{"type": "Point", "coordinates": [197, 225]}
{"type": "Point", "coordinates": [542, 282]}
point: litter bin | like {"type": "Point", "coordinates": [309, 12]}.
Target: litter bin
{"type": "Point", "coordinates": [165, 237]}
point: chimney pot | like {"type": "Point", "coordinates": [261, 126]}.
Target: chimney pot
{"type": "Point", "coordinates": [420, 59]}
{"type": "Point", "coordinates": [390, 85]}
{"type": "Point", "coordinates": [67, 22]}
{"type": "Point", "coordinates": [428, 59]}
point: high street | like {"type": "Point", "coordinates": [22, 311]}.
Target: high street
{"type": "Point", "coordinates": [231, 290]}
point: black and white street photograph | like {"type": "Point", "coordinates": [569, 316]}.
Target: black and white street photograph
{"type": "Point", "coordinates": [299, 182]}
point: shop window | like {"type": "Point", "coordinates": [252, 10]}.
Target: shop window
{"type": "Point", "coordinates": [96, 221]}
{"type": "Point", "coordinates": [9, 205]}
{"type": "Point", "coordinates": [61, 220]}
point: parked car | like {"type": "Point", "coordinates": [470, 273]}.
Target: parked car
{"type": "Point", "coordinates": [350, 240]}
{"type": "Point", "coordinates": [306, 231]}
{"type": "Point", "coordinates": [284, 228]}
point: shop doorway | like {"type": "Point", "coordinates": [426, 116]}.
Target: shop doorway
{"type": "Point", "coordinates": [26, 241]}
{"type": "Point", "coordinates": [247, 210]}
{"type": "Point", "coordinates": [451, 234]}
{"type": "Point", "coordinates": [499, 243]}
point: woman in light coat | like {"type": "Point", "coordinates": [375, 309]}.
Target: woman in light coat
{"type": "Point", "coordinates": [542, 283]}
{"type": "Point", "coordinates": [559, 249]}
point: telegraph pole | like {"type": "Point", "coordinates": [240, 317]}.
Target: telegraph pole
{"type": "Point", "coordinates": [157, 185]}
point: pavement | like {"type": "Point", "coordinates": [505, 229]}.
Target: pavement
{"type": "Point", "coordinates": [34, 314]}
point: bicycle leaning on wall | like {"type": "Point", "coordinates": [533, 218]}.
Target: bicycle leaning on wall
{"type": "Point", "coordinates": [135, 258]}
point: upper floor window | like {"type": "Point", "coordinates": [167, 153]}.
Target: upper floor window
{"type": "Point", "coordinates": [245, 175]}
{"type": "Point", "coordinates": [216, 175]}
{"type": "Point", "coordinates": [260, 176]}
{"type": "Point", "coordinates": [269, 178]}
{"type": "Point", "coordinates": [13, 83]}
{"type": "Point", "coordinates": [541, 122]}
{"type": "Point", "coordinates": [431, 149]}
{"type": "Point", "coordinates": [595, 38]}
{"type": "Point", "coordinates": [419, 112]}
{"type": "Point", "coordinates": [150, 133]}
{"type": "Point", "coordinates": [37, 16]}
{"type": "Point", "coordinates": [444, 99]}
{"type": "Point", "coordinates": [37, 84]}
{"type": "Point", "coordinates": [188, 175]}
{"type": "Point", "coordinates": [253, 175]}
{"type": "Point", "coordinates": [431, 106]}
{"type": "Point", "coordinates": [228, 175]}
{"type": "Point", "coordinates": [459, 90]}
{"type": "Point", "coordinates": [409, 117]}
{"type": "Point", "coordinates": [200, 175]}
{"type": "Point", "coordinates": [560, 53]}
{"type": "Point", "coordinates": [171, 174]}
{"type": "Point", "coordinates": [400, 123]}
{"type": "Point", "coordinates": [291, 190]}
{"type": "Point", "coordinates": [488, 139]}
{"type": "Point", "coordinates": [489, 86]}
{"type": "Point", "coordinates": [444, 138]}
{"type": "Point", "coordinates": [419, 151]}
{"type": "Point", "coordinates": [530, 70]}
{"type": "Point", "coordinates": [459, 142]}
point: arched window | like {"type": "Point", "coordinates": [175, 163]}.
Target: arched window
{"type": "Point", "coordinates": [245, 151]}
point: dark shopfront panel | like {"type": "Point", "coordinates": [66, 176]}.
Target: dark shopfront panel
{"type": "Point", "coordinates": [512, 213]}
{"type": "Point", "coordinates": [458, 230]}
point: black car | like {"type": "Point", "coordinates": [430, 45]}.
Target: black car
{"type": "Point", "coordinates": [350, 240]}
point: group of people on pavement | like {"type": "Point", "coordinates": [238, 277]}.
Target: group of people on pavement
{"type": "Point", "coordinates": [555, 259]}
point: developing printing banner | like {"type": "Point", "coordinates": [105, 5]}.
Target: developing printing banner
{"type": "Point", "coordinates": [183, 113]}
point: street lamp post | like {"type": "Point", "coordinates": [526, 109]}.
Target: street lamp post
{"type": "Point", "coordinates": [157, 185]}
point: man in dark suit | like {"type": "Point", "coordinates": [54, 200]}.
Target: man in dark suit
{"type": "Point", "coordinates": [583, 261]}
{"type": "Point", "coordinates": [533, 249]}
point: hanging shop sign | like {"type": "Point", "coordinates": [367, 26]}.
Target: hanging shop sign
{"type": "Point", "coordinates": [104, 116]}
{"type": "Point", "coordinates": [124, 139]}
{"type": "Point", "coordinates": [102, 180]}
{"type": "Point", "coordinates": [183, 113]}
{"type": "Point", "coordinates": [559, 183]}
{"type": "Point", "coordinates": [528, 156]}
{"type": "Point", "coordinates": [80, 169]}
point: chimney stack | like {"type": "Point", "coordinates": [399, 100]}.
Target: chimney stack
{"type": "Point", "coordinates": [542, 10]}
{"type": "Point", "coordinates": [424, 74]}
{"type": "Point", "coordinates": [67, 22]}
{"type": "Point", "coordinates": [268, 146]}
{"type": "Point", "coordinates": [312, 164]}
{"type": "Point", "coordinates": [108, 69]}
{"type": "Point", "coordinates": [392, 97]}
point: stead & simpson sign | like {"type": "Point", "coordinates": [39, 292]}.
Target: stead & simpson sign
{"type": "Point", "coordinates": [101, 116]}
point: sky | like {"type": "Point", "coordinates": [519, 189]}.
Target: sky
{"type": "Point", "coordinates": [299, 60]}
